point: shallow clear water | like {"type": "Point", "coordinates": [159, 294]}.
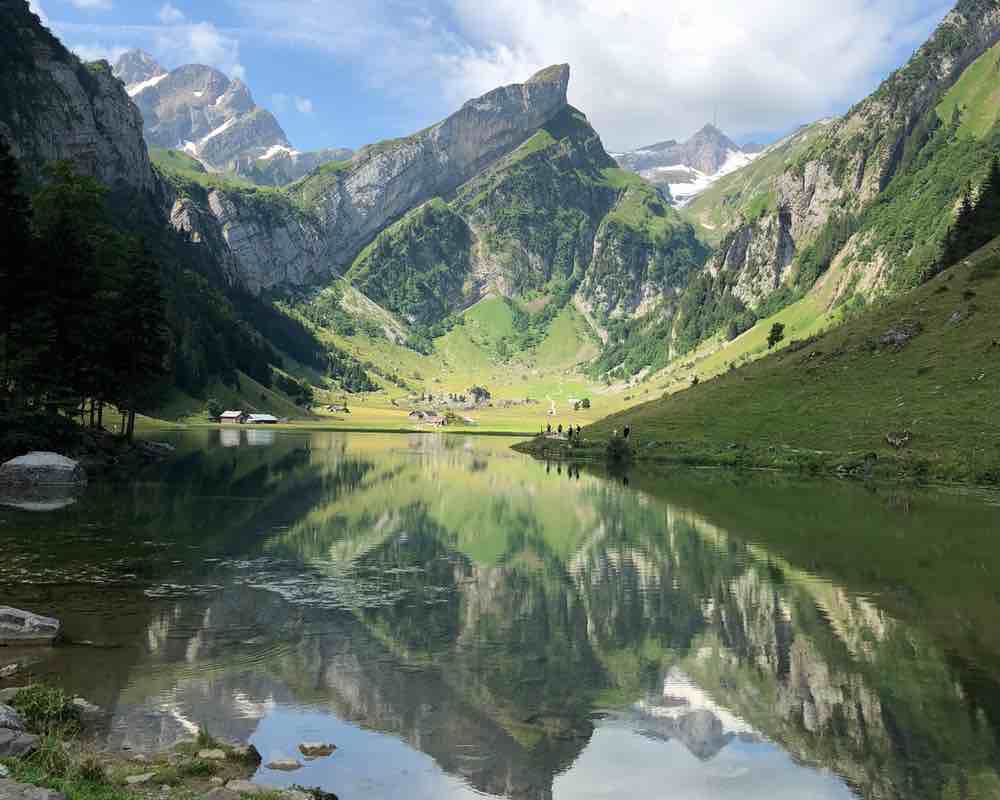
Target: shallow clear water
{"type": "Point", "coordinates": [462, 621]}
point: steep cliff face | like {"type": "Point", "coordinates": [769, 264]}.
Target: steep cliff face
{"type": "Point", "coordinates": [856, 157]}
{"type": "Point", "coordinates": [53, 107]}
{"type": "Point", "coordinates": [343, 205]}
{"type": "Point", "coordinates": [555, 216]}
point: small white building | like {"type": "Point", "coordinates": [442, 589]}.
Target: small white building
{"type": "Point", "coordinates": [231, 416]}
{"type": "Point", "coordinates": [261, 419]}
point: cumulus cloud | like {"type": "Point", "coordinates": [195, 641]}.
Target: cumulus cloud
{"type": "Point", "coordinates": [303, 105]}
{"type": "Point", "coordinates": [96, 52]}
{"type": "Point", "coordinates": [642, 69]}
{"type": "Point", "coordinates": [200, 43]}
{"type": "Point", "coordinates": [648, 69]}
{"type": "Point", "coordinates": [170, 14]}
{"type": "Point", "coordinates": [92, 5]}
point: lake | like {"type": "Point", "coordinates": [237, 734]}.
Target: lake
{"type": "Point", "coordinates": [462, 621]}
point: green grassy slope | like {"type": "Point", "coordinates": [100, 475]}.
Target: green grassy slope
{"type": "Point", "coordinates": [976, 95]}
{"type": "Point", "coordinates": [832, 400]}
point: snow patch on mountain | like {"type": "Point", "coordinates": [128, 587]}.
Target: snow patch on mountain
{"type": "Point", "coordinates": [135, 88]}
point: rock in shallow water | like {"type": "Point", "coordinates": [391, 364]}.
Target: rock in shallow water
{"type": "Point", "coordinates": [284, 764]}
{"type": "Point", "coordinates": [212, 755]}
{"type": "Point", "coordinates": [23, 627]}
{"type": "Point", "coordinates": [42, 469]}
{"type": "Point", "coordinates": [317, 749]}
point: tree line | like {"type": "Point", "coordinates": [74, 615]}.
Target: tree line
{"type": "Point", "coordinates": [82, 313]}
{"type": "Point", "coordinates": [977, 222]}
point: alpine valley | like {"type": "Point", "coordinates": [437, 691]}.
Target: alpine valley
{"type": "Point", "coordinates": [503, 247]}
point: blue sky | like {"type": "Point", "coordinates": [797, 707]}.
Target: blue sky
{"type": "Point", "coordinates": [349, 72]}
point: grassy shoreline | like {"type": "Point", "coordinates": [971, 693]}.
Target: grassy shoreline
{"type": "Point", "coordinates": [908, 390]}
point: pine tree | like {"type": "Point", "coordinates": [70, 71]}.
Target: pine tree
{"type": "Point", "coordinates": [142, 339]}
{"type": "Point", "coordinates": [16, 247]}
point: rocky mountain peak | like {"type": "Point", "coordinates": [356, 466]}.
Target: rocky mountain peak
{"type": "Point", "coordinates": [137, 66]}
{"type": "Point", "coordinates": [690, 167]}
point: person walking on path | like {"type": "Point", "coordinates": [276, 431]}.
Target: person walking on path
{"type": "Point", "coordinates": [627, 431]}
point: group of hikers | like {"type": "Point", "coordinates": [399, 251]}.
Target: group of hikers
{"type": "Point", "coordinates": [569, 431]}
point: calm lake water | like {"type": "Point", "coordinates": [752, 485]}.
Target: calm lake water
{"type": "Point", "coordinates": [462, 621]}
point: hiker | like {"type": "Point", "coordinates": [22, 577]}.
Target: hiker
{"type": "Point", "coordinates": [560, 429]}
{"type": "Point", "coordinates": [569, 433]}
{"type": "Point", "coordinates": [550, 429]}
{"type": "Point", "coordinates": [578, 429]}
{"type": "Point", "coordinates": [627, 431]}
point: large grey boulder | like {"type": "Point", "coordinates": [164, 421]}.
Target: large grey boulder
{"type": "Point", "coordinates": [16, 744]}
{"type": "Point", "coordinates": [23, 627]}
{"type": "Point", "coordinates": [10, 720]}
{"type": "Point", "coordinates": [42, 469]}
{"type": "Point", "coordinates": [11, 790]}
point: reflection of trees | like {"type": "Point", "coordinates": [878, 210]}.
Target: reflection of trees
{"type": "Point", "coordinates": [509, 607]}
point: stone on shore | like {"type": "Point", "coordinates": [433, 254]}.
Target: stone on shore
{"type": "Point", "coordinates": [23, 627]}
{"type": "Point", "coordinates": [138, 780]}
{"type": "Point", "coordinates": [212, 755]}
{"type": "Point", "coordinates": [246, 753]}
{"type": "Point", "coordinates": [10, 719]}
{"type": "Point", "coordinates": [246, 787]}
{"type": "Point", "coordinates": [11, 790]}
{"type": "Point", "coordinates": [42, 469]}
{"type": "Point", "coordinates": [16, 744]}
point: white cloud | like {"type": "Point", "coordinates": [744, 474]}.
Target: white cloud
{"type": "Point", "coordinates": [92, 5]}
{"type": "Point", "coordinates": [648, 69]}
{"type": "Point", "coordinates": [170, 14]}
{"type": "Point", "coordinates": [642, 69]}
{"type": "Point", "coordinates": [303, 105]}
{"type": "Point", "coordinates": [96, 52]}
{"type": "Point", "coordinates": [200, 43]}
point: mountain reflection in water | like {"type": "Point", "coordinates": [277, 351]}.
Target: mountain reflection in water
{"type": "Point", "coordinates": [461, 621]}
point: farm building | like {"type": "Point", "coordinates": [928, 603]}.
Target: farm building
{"type": "Point", "coordinates": [231, 416]}
{"type": "Point", "coordinates": [261, 419]}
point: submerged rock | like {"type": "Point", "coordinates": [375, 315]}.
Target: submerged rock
{"type": "Point", "coordinates": [42, 469]}
{"type": "Point", "coordinates": [138, 780]}
{"type": "Point", "coordinates": [23, 627]}
{"type": "Point", "coordinates": [284, 765]}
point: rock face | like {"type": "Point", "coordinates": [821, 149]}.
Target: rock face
{"type": "Point", "coordinates": [57, 108]}
{"type": "Point", "coordinates": [23, 627]}
{"type": "Point", "coordinates": [351, 203]}
{"type": "Point", "coordinates": [42, 469]}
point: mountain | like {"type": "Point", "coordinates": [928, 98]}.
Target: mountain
{"type": "Point", "coordinates": [871, 196]}
{"type": "Point", "coordinates": [201, 111]}
{"type": "Point", "coordinates": [521, 191]}
{"type": "Point", "coordinates": [688, 168]}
